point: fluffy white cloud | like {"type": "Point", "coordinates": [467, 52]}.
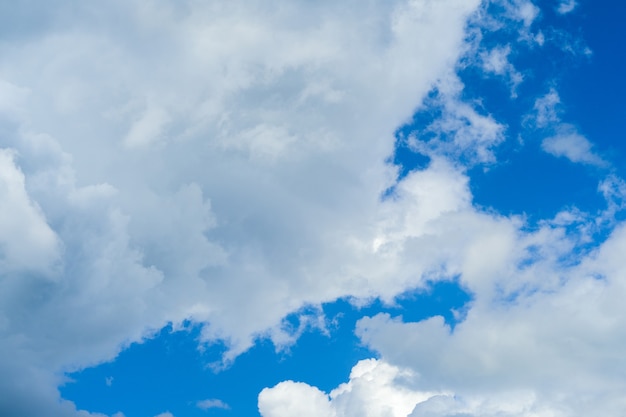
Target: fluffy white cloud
{"type": "Point", "coordinates": [203, 161]}
{"type": "Point", "coordinates": [543, 335]}
{"type": "Point", "coordinates": [566, 6]}
{"type": "Point", "coordinates": [544, 332]}
{"type": "Point", "coordinates": [375, 389]}
{"type": "Point", "coordinates": [496, 61]}
{"type": "Point", "coordinates": [547, 342]}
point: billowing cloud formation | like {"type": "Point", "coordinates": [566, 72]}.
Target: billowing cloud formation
{"type": "Point", "coordinates": [224, 162]}
{"type": "Point", "coordinates": [543, 336]}
{"type": "Point", "coordinates": [375, 389]}
{"type": "Point", "coordinates": [544, 331]}
{"type": "Point", "coordinates": [204, 161]}
{"type": "Point", "coordinates": [556, 339]}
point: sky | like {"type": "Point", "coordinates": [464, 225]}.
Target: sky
{"type": "Point", "coordinates": [399, 208]}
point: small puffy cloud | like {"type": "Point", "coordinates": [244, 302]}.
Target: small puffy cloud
{"type": "Point", "coordinates": [212, 403]}
{"type": "Point", "coordinates": [546, 110]}
{"type": "Point", "coordinates": [566, 6]}
{"type": "Point", "coordinates": [527, 11]}
{"type": "Point", "coordinates": [290, 399]}
{"type": "Point", "coordinates": [375, 389]}
{"type": "Point", "coordinates": [496, 61]}
{"type": "Point", "coordinates": [573, 146]}
{"type": "Point", "coordinates": [165, 414]}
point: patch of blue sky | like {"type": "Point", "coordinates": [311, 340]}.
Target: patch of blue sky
{"type": "Point", "coordinates": [169, 371]}
{"type": "Point", "coordinates": [594, 93]}
{"type": "Point", "coordinates": [523, 179]}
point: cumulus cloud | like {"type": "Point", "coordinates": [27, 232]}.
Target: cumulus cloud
{"type": "Point", "coordinates": [547, 367]}
{"type": "Point", "coordinates": [544, 343]}
{"type": "Point", "coordinates": [203, 161]}
{"type": "Point", "coordinates": [375, 389]}
{"type": "Point", "coordinates": [158, 159]}
{"type": "Point", "coordinates": [542, 336]}
{"type": "Point", "coordinates": [566, 6]}
{"type": "Point", "coordinates": [544, 331]}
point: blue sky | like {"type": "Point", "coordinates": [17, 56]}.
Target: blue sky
{"type": "Point", "coordinates": [406, 208]}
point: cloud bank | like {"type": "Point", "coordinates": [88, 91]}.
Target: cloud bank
{"type": "Point", "coordinates": [216, 162]}
{"type": "Point", "coordinates": [225, 163]}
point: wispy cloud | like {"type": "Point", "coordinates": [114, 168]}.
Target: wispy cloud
{"type": "Point", "coordinates": [212, 403]}
{"type": "Point", "coordinates": [564, 140]}
{"type": "Point", "coordinates": [566, 6]}
{"type": "Point", "coordinates": [570, 144]}
{"type": "Point", "coordinates": [496, 61]}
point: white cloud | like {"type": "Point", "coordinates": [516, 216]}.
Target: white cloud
{"type": "Point", "coordinates": [547, 110]}
{"type": "Point", "coordinates": [212, 403]}
{"type": "Point", "coordinates": [544, 343]}
{"type": "Point", "coordinates": [496, 61]}
{"type": "Point", "coordinates": [28, 243]}
{"type": "Point", "coordinates": [291, 398]}
{"type": "Point", "coordinates": [570, 144]}
{"type": "Point", "coordinates": [165, 414]}
{"type": "Point", "coordinates": [375, 389]}
{"type": "Point", "coordinates": [461, 132]}
{"type": "Point", "coordinates": [566, 6]}
{"type": "Point", "coordinates": [543, 336]}
{"type": "Point", "coordinates": [203, 161]}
